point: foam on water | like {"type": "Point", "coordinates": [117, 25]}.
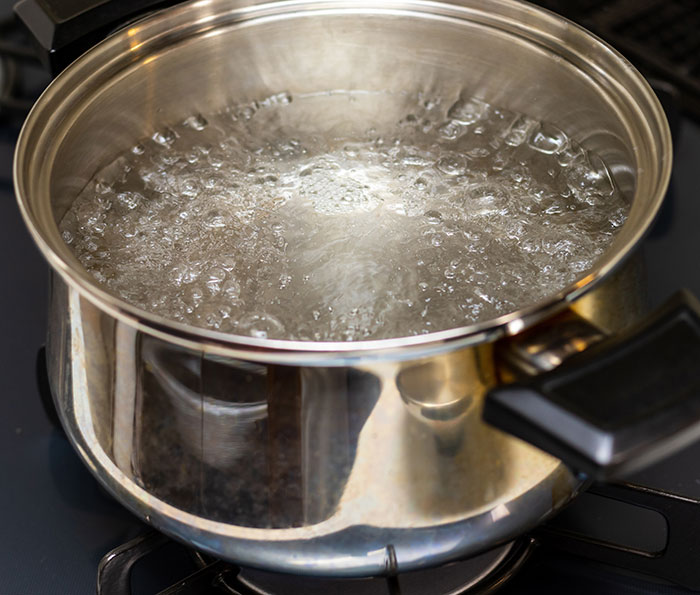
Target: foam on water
{"type": "Point", "coordinates": [267, 221]}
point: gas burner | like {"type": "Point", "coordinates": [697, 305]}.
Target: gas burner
{"type": "Point", "coordinates": [480, 575]}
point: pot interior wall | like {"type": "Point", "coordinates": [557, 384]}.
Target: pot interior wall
{"type": "Point", "coordinates": [155, 82]}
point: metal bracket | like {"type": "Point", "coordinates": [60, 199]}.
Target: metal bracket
{"type": "Point", "coordinates": [677, 562]}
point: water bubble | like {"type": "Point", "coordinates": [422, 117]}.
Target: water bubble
{"type": "Point", "coordinates": [192, 295]}
{"type": "Point", "coordinates": [98, 227]}
{"type": "Point", "coordinates": [214, 219]}
{"type": "Point", "coordinates": [570, 153]}
{"type": "Point", "coordinates": [231, 289]}
{"type": "Point", "coordinates": [547, 139]}
{"type": "Point", "coordinates": [487, 200]}
{"type": "Point", "coordinates": [452, 165]}
{"type": "Point", "coordinates": [189, 187]}
{"type": "Point", "coordinates": [165, 137]}
{"type": "Point", "coordinates": [519, 130]}
{"type": "Point", "coordinates": [283, 98]}
{"type": "Point", "coordinates": [129, 200]}
{"type": "Point", "coordinates": [480, 293]}
{"type": "Point", "coordinates": [451, 130]}
{"type": "Point", "coordinates": [421, 183]}
{"type": "Point", "coordinates": [164, 160]}
{"type": "Point", "coordinates": [261, 325]}
{"type": "Point", "coordinates": [554, 210]}
{"type": "Point", "coordinates": [618, 217]}
{"type": "Point", "coordinates": [409, 120]}
{"type": "Point", "coordinates": [197, 122]}
{"type": "Point", "coordinates": [102, 187]}
{"type": "Point", "coordinates": [284, 280]}
{"type": "Point", "coordinates": [592, 175]}
{"type": "Point", "coordinates": [248, 111]}
{"type": "Point", "coordinates": [183, 273]}
{"type": "Point", "coordinates": [478, 152]}
{"type": "Point", "coordinates": [433, 217]}
{"type": "Point", "coordinates": [214, 278]}
{"type": "Point", "coordinates": [467, 111]}
{"type": "Point", "coordinates": [416, 161]}
{"type": "Point", "coordinates": [215, 160]}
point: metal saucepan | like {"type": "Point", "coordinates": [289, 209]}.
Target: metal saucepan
{"type": "Point", "coordinates": [354, 458]}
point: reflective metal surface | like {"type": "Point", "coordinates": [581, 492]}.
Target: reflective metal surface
{"type": "Point", "coordinates": [307, 457]}
{"type": "Point", "coordinates": [546, 346]}
{"type": "Point", "coordinates": [319, 470]}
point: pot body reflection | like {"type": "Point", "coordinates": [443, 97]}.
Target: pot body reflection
{"type": "Point", "coordinates": [301, 467]}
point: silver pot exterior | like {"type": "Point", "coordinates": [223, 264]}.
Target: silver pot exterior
{"type": "Point", "coordinates": [332, 459]}
{"type": "Point", "coordinates": [309, 469]}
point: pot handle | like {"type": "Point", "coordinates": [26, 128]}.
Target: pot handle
{"type": "Point", "coordinates": [64, 30]}
{"type": "Point", "coordinates": [619, 405]}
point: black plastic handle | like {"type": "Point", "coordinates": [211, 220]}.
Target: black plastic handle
{"type": "Point", "coordinates": [64, 29]}
{"type": "Point", "coordinates": [618, 406]}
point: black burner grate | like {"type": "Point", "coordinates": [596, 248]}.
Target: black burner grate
{"type": "Point", "coordinates": [669, 28]}
{"type": "Point", "coordinates": [662, 37]}
{"type": "Point", "coordinates": [481, 575]}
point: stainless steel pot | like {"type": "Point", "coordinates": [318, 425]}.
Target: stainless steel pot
{"type": "Point", "coordinates": [326, 458]}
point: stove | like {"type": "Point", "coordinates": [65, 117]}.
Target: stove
{"type": "Point", "coordinates": [63, 534]}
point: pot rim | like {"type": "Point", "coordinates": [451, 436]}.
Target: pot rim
{"type": "Point", "coordinates": [521, 19]}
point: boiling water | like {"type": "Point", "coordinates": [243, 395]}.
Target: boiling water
{"type": "Point", "coordinates": [301, 218]}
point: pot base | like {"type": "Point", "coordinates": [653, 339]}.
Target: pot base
{"type": "Point", "coordinates": [481, 575]}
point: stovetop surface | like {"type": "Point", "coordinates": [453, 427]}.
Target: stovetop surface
{"type": "Point", "coordinates": [56, 523]}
